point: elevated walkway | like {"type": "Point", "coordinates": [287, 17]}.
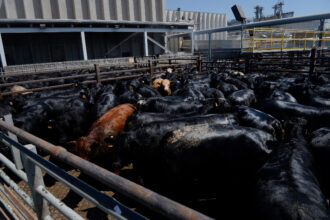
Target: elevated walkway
{"type": "Point", "coordinates": [258, 40]}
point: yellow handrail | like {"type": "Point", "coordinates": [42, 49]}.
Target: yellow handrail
{"type": "Point", "coordinates": [285, 39]}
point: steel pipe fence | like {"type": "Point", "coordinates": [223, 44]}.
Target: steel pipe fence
{"type": "Point", "coordinates": [32, 162]}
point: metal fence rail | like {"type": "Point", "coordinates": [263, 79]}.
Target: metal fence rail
{"type": "Point", "coordinates": [275, 39]}
{"type": "Point", "coordinates": [32, 175]}
{"type": "Point", "coordinates": [32, 163]}
{"type": "Point", "coordinates": [98, 74]}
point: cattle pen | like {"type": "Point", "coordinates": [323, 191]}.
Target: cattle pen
{"type": "Point", "coordinates": [26, 155]}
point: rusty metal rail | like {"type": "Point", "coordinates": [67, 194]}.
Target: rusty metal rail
{"type": "Point", "coordinates": [152, 200]}
{"type": "Point", "coordinates": [97, 75]}
{"type": "Point", "coordinates": [128, 65]}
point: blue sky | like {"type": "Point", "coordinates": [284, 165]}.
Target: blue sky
{"type": "Point", "coordinates": [300, 7]}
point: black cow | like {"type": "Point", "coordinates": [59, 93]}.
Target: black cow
{"type": "Point", "coordinates": [283, 96]}
{"type": "Point", "coordinates": [142, 118]}
{"type": "Point", "coordinates": [320, 143]}
{"type": "Point", "coordinates": [216, 160]}
{"type": "Point", "coordinates": [134, 142]}
{"type": "Point", "coordinates": [105, 102]}
{"type": "Point", "coordinates": [242, 97]}
{"type": "Point", "coordinates": [254, 118]}
{"type": "Point", "coordinates": [318, 117]}
{"type": "Point", "coordinates": [189, 93]}
{"type": "Point", "coordinates": [287, 187]}
{"type": "Point", "coordinates": [171, 105]}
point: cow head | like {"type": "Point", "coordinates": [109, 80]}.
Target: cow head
{"type": "Point", "coordinates": [83, 147]}
{"type": "Point", "coordinates": [163, 85]}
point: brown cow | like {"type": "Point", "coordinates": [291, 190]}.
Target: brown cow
{"type": "Point", "coordinates": [164, 85]}
{"type": "Point", "coordinates": [95, 144]}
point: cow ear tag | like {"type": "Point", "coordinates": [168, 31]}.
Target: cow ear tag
{"type": "Point", "coordinates": [11, 103]}
{"type": "Point", "coordinates": [49, 127]}
{"type": "Point", "coordinates": [83, 96]}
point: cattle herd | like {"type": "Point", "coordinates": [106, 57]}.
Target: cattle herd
{"type": "Point", "coordinates": [250, 145]}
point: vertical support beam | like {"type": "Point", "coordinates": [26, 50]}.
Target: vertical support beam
{"type": "Point", "coordinates": [312, 62]}
{"type": "Point", "coordinates": [321, 28]}
{"type": "Point", "coordinates": [14, 151]}
{"type": "Point", "coordinates": [145, 40]}
{"type": "Point", "coordinates": [97, 73]}
{"type": "Point", "coordinates": [35, 180]}
{"type": "Point", "coordinates": [242, 38]}
{"type": "Point", "coordinates": [2, 53]}
{"type": "Point", "coordinates": [83, 45]}
{"type": "Point", "coordinates": [192, 43]}
{"type": "Point", "coordinates": [210, 46]}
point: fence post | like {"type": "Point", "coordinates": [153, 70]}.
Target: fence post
{"type": "Point", "coordinates": [14, 151]}
{"type": "Point", "coordinates": [199, 64]}
{"type": "Point", "coordinates": [97, 73]}
{"type": "Point", "coordinates": [35, 180]}
{"type": "Point", "coordinates": [151, 67]}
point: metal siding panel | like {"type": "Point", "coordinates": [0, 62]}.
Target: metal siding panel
{"type": "Point", "coordinates": [85, 10]}
{"type": "Point", "coordinates": [77, 9]}
{"type": "Point", "coordinates": [132, 10]}
{"type": "Point", "coordinates": [106, 9]}
{"type": "Point", "coordinates": [46, 9]}
{"type": "Point", "coordinates": [99, 9]}
{"type": "Point", "coordinates": [217, 24]}
{"type": "Point", "coordinates": [174, 16]}
{"type": "Point", "coordinates": [168, 15]}
{"type": "Point", "coordinates": [124, 9]}
{"type": "Point", "coordinates": [10, 8]}
{"type": "Point", "coordinates": [2, 9]}
{"type": "Point", "coordinates": [19, 9]}
{"type": "Point", "coordinates": [113, 15]}
{"type": "Point", "coordinates": [161, 6]}
{"type": "Point", "coordinates": [69, 9]}
{"type": "Point", "coordinates": [153, 10]}
{"type": "Point", "coordinates": [129, 9]}
{"type": "Point", "coordinates": [37, 8]}
{"type": "Point", "coordinates": [92, 9]}
{"type": "Point", "coordinates": [147, 10]}
{"type": "Point", "coordinates": [142, 10]}
{"type": "Point", "coordinates": [62, 9]}
{"type": "Point", "coordinates": [136, 10]}
{"type": "Point", "coordinates": [204, 26]}
{"type": "Point", "coordinates": [118, 8]}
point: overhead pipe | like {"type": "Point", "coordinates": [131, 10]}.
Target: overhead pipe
{"type": "Point", "coordinates": [261, 24]}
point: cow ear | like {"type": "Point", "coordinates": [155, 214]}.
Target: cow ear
{"type": "Point", "coordinates": [71, 144]}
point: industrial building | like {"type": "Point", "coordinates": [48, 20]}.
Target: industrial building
{"type": "Point", "coordinates": [54, 31]}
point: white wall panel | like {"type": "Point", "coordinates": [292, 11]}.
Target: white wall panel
{"type": "Point", "coordinates": [130, 10]}
{"type": "Point", "coordinates": [202, 21]}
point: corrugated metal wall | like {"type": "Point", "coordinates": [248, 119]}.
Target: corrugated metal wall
{"type": "Point", "coordinates": [202, 21]}
{"type": "Point", "coordinates": [116, 10]}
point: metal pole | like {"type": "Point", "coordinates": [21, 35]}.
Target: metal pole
{"type": "Point", "coordinates": [146, 49]}
{"type": "Point", "coordinates": [83, 45]}
{"type": "Point", "coordinates": [210, 46]}
{"type": "Point", "coordinates": [321, 29]}
{"type": "Point", "coordinates": [192, 43]}
{"type": "Point", "coordinates": [15, 152]}
{"type": "Point", "coordinates": [2, 53]}
{"type": "Point", "coordinates": [35, 179]}
{"type": "Point", "coordinates": [242, 37]}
